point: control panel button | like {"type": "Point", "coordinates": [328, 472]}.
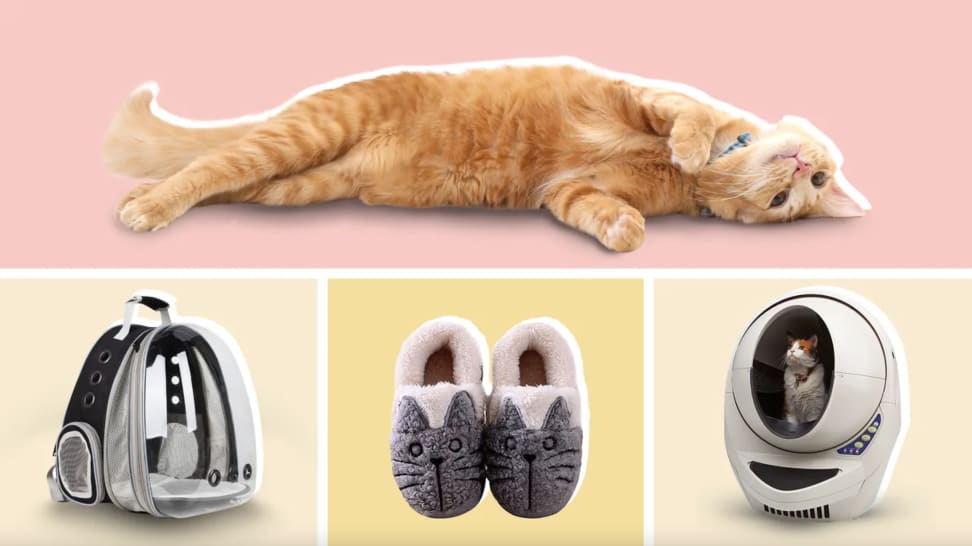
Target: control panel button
{"type": "Point", "coordinates": [866, 437]}
{"type": "Point", "coordinates": [858, 445]}
{"type": "Point", "coordinates": [872, 429]}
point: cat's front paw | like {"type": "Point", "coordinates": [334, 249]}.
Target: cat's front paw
{"type": "Point", "coordinates": [626, 232]}
{"type": "Point", "coordinates": [689, 155]}
{"type": "Point", "coordinates": [147, 212]}
{"type": "Point", "coordinates": [691, 144]}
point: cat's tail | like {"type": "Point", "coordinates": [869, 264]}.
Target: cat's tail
{"type": "Point", "coordinates": [140, 144]}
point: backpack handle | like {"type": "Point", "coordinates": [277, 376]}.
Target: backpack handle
{"type": "Point", "coordinates": [155, 300]}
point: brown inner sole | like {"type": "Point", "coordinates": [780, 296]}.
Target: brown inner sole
{"type": "Point", "coordinates": [438, 368]}
{"type": "Point", "coordinates": [532, 371]}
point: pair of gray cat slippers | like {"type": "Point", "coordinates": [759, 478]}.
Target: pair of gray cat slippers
{"type": "Point", "coordinates": [526, 438]}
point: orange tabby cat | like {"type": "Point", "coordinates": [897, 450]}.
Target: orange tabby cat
{"type": "Point", "coordinates": [599, 153]}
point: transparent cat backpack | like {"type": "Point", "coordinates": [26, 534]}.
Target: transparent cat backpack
{"type": "Point", "coordinates": [163, 419]}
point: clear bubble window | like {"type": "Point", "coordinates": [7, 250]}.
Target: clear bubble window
{"type": "Point", "coordinates": [190, 444]}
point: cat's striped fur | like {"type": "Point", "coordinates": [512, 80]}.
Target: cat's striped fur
{"type": "Point", "coordinates": [600, 154]}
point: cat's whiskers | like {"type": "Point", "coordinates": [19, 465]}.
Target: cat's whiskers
{"type": "Point", "coordinates": [762, 171]}
{"type": "Point", "coordinates": [399, 475]}
{"type": "Point", "coordinates": [498, 454]}
{"type": "Point", "coordinates": [564, 452]}
{"type": "Point", "coordinates": [738, 185]}
{"type": "Point", "coordinates": [725, 196]}
{"type": "Point", "coordinates": [734, 190]}
{"type": "Point", "coordinates": [711, 170]}
{"type": "Point", "coordinates": [478, 451]}
{"type": "Point", "coordinates": [399, 461]}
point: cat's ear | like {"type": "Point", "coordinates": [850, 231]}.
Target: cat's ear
{"type": "Point", "coordinates": [462, 411]}
{"type": "Point", "coordinates": [836, 203]}
{"type": "Point", "coordinates": [558, 416]}
{"type": "Point", "coordinates": [510, 417]}
{"type": "Point", "coordinates": [411, 418]}
{"type": "Point", "coordinates": [813, 341]}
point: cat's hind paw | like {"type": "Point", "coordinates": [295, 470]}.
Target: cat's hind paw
{"type": "Point", "coordinates": [135, 193]}
{"type": "Point", "coordinates": [146, 212]}
{"type": "Point", "coordinates": [626, 232]}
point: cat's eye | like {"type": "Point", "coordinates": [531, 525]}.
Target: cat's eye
{"type": "Point", "coordinates": [510, 443]}
{"type": "Point", "coordinates": [455, 445]}
{"type": "Point", "coordinates": [415, 449]}
{"type": "Point", "coordinates": [549, 443]}
{"type": "Point", "coordinates": [779, 199]}
{"type": "Point", "coordinates": [818, 179]}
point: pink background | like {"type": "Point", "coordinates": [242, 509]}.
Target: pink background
{"type": "Point", "coordinates": [890, 85]}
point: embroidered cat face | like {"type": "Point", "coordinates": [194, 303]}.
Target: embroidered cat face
{"type": "Point", "coordinates": [801, 352]}
{"type": "Point", "coordinates": [439, 470]}
{"type": "Point", "coordinates": [783, 173]}
{"type": "Point", "coordinates": [533, 473]}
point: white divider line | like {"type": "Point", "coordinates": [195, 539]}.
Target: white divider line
{"type": "Point", "coordinates": [648, 339]}
{"type": "Point", "coordinates": [488, 273]}
{"type": "Point", "coordinates": [322, 401]}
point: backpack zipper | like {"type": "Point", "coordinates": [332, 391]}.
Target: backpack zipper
{"type": "Point", "coordinates": [138, 459]}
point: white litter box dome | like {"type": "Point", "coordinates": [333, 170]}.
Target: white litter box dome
{"type": "Point", "coordinates": [837, 466]}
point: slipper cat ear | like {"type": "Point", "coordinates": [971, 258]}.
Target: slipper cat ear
{"type": "Point", "coordinates": [558, 416]}
{"type": "Point", "coordinates": [510, 418]}
{"type": "Point", "coordinates": [411, 419]}
{"type": "Point", "coordinates": [462, 412]}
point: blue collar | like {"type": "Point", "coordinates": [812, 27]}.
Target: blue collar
{"type": "Point", "coordinates": [741, 142]}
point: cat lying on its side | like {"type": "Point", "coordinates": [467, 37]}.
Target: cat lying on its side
{"type": "Point", "coordinates": [599, 153]}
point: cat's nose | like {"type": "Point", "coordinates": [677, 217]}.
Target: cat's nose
{"type": "Point", "coordinates": [529, 457]}
{"type": "Point", "coordinates": [436, 460]}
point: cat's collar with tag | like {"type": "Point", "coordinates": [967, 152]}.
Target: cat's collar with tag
{"type": "Point", "coordinates": [741, 142]}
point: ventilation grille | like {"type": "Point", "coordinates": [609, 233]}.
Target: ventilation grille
{"type": "Point", "coordinates": [820, 512]}
{"type": "Point", "coordinates": [75, 466]}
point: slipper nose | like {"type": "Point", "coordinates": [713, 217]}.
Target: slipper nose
{"type": "Point", "coordinates": [436, 460]}
{"type": "Point", "coordinates": [529, 457]}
